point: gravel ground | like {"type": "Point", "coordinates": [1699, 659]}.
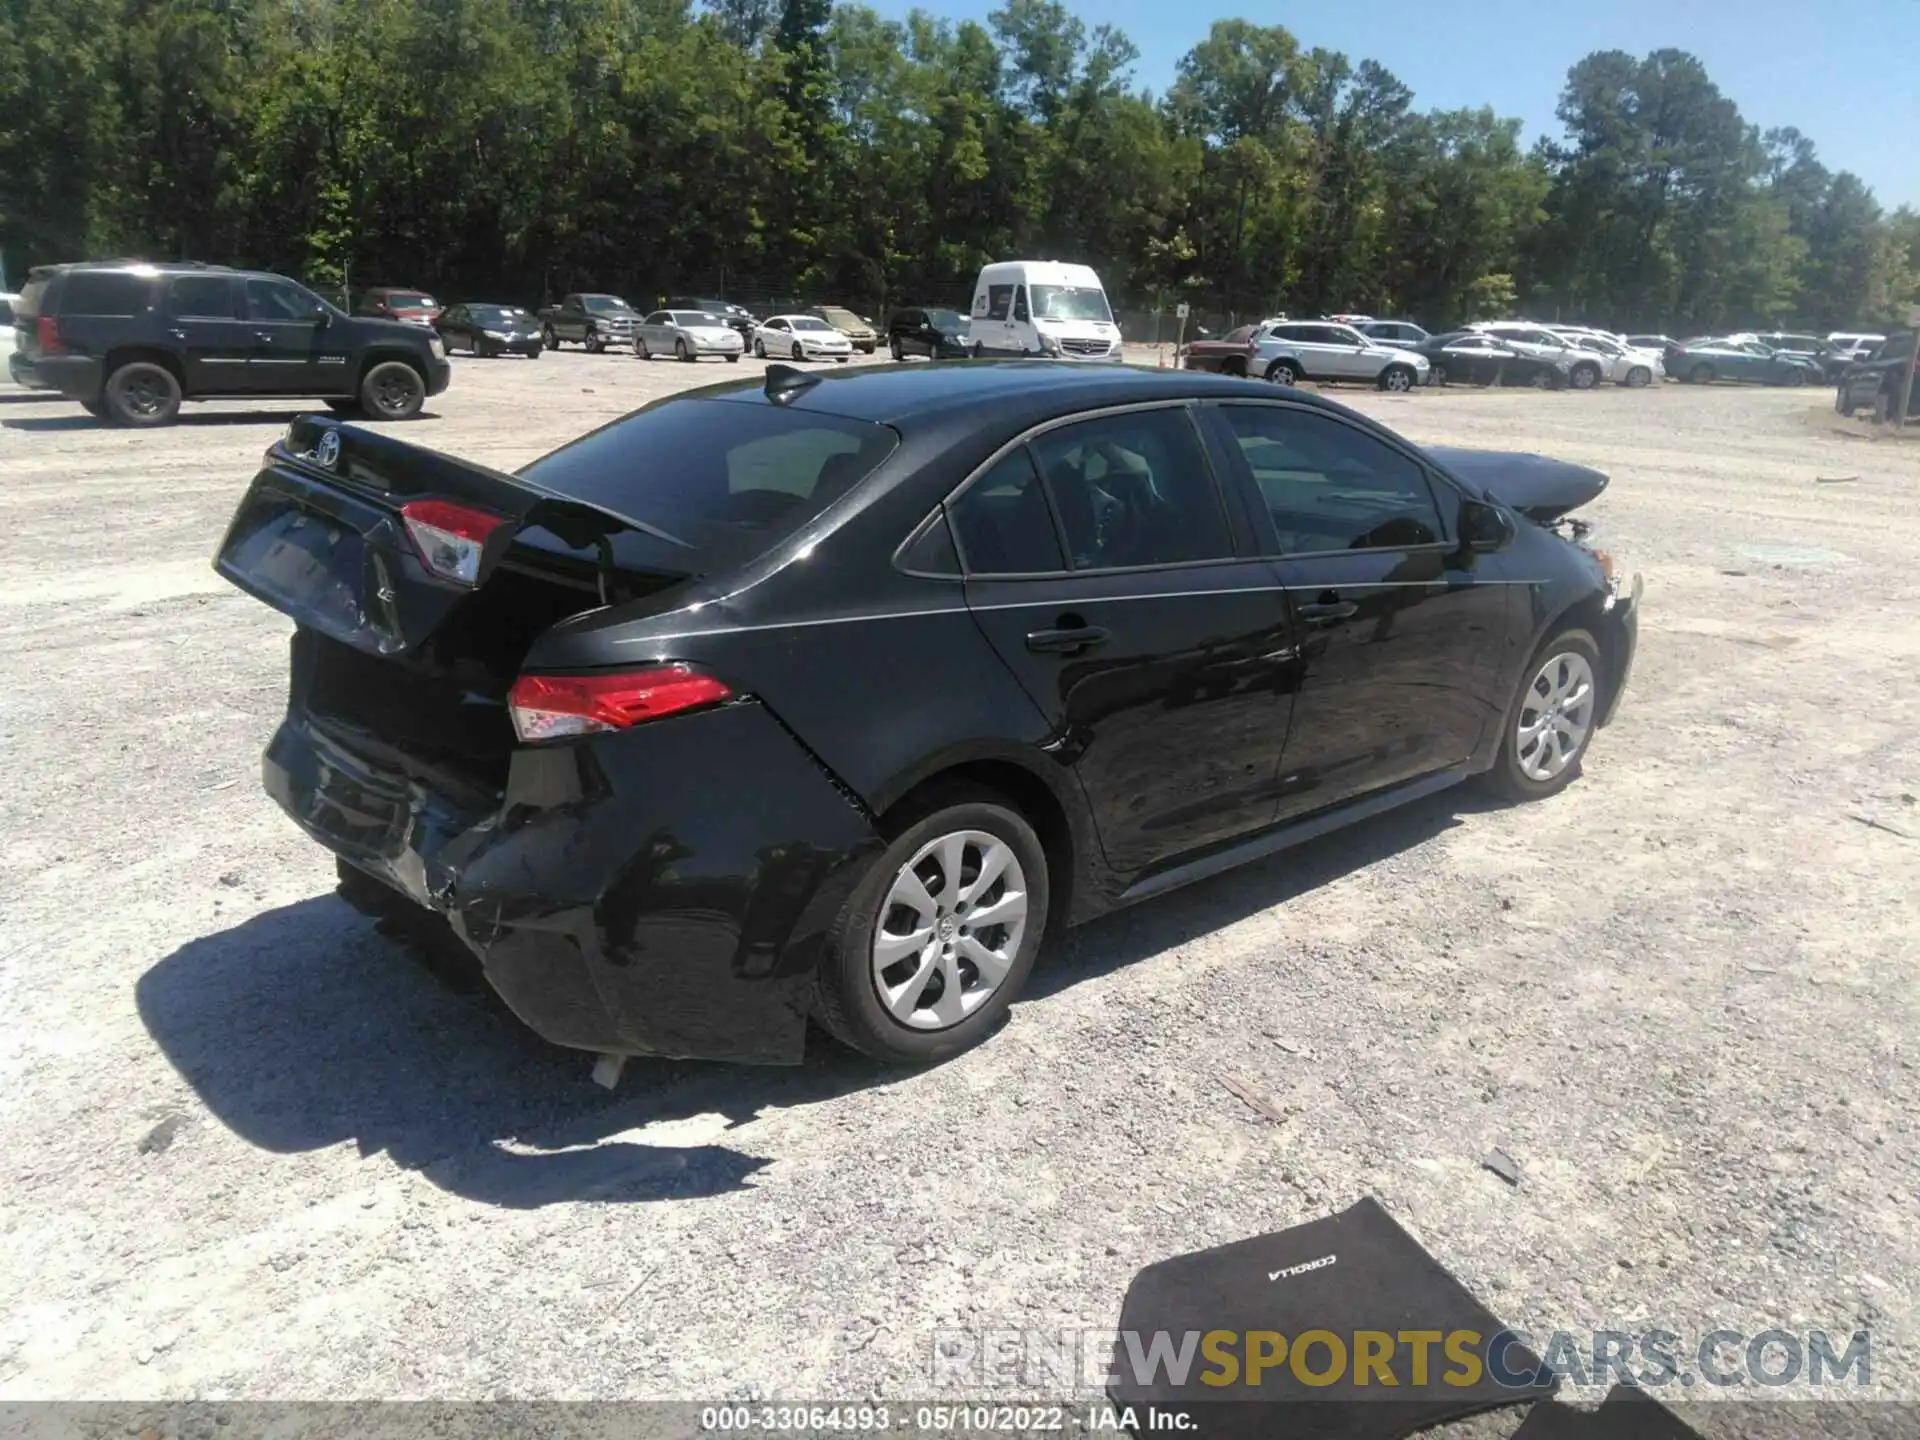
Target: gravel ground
{"type": "Point", "coordinates": [249, 1149]}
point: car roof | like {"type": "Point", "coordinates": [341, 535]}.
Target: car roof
{"type": "Point", "coordinates": [901, 394]}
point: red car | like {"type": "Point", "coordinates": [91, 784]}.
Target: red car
{"type": "Point", "coordinates": [414, 306]}
{"type": "Point", "coordinates": [1231, 354]}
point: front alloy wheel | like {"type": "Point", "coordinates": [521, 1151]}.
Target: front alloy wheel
{"type": "Point", "coordinates": [1552, 719]}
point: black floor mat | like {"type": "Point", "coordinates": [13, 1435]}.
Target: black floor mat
{"type": "Point", "coordinates": [1358, 1278]}
{"type": "Point", "coordinates": [1628, 1413]}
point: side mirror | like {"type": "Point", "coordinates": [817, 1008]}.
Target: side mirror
{"type": "Point", "coordinates": [1484, 528]}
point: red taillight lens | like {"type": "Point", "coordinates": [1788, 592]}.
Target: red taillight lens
{"type": "Point", "coordinates": [49, 335]}
{"type": "Point", "coordinates": [552, 707]}
{"type": "Point", "coordinates": [451, 538]}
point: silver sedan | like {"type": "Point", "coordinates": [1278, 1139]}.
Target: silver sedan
{"type": "Point", "coordinates": [686, 335]}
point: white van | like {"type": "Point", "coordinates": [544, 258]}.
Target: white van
{"type": "Point", "coordinates": [1039, 307]}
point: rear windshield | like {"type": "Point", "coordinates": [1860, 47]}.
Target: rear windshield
{"type": "Point", "coordinates": [725, 486]}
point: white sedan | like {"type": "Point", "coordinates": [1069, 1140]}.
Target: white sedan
{"type": "Point", "coordinates": [800, 337]}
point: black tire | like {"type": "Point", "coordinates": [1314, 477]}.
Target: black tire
{"type": "Point", "coordinates": [143, 394]}
{"type": "Point", "coordinates": [848, 1003]}
{"type": "Point", "coordinates": [759, 349]}
{"type": "Point", "coordinates": [681, 353]}
{"type": "Point", "coordinates": [1638, 378]}
{"type": "Point", "coordinates": [893, 347]}
{"type": "Point", "coordinates": [733, 359]}
{"type": "Point", "coordinates": [1398, 378]}
{"type": "Point", "coordinates": [1796, 377]}
{"type": "Point", "coordinates": [1437, 375]}
{"type": "Point", "coordinates": [1584, 377]}
{"type": "Point", "coordinates": [1283, 372]}
{"type": "Point", "coordinates": [534, 353]}
{"type": "Point", "coordinates": [392, 390]}
{"type": "Point", "coordinates": [1236, 368]}
{"type": "Point", "coordinates": [798, 355]}
{"type": "Point", "coordinates": [1506, 778]}
{"type": "Point", "coordinates": [1700, 375]}
{"type": "Point", "coordinates": [552, 340]}
{"type": "Point", "coordinates": [640, 350]}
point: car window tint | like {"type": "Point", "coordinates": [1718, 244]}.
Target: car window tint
{"type": "Point", "coordinates": [6, 312]}
{"type": "Point", "coordinates": [103, 292]}
{"type": "Point", "coordinates": [276, 300]}
{"type": "Point", "coordinates": [727, 479]}
{"type": "Point", "coordinates": [1002, 521]}
{"type": "Point", "coordinates": [204, 297]}
{"type": "Point", "coordinates": [1330, 486]}
{"type": "Point", "coordinates": [999, 301]}
{"type": "Point", "coordinates": [1133, 489]}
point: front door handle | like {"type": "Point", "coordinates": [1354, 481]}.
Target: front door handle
{"type": "Point", "coordinates": [177, 334]}
{"type": "Point", "coordinates": [1069, 640]}
{"type": "Point", "coordinates": [265, 337]}
{"type": "Point", "coordinates": [1325, 612]}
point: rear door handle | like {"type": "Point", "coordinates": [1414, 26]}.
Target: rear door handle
{"type": "Point", "coordinates": [1067, 641]}
{"type": "Point", "coordinates": [265, 337]}
{"type": "Point", "coordinates": [1326, 611]}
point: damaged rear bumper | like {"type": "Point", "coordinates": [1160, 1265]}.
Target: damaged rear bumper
{"type": "Point", "coordinates": [662, 891]}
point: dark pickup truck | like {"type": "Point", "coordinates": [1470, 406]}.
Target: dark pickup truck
{"type": "Point", "coordinates": [595, 321]}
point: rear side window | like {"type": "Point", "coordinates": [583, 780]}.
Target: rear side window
{"type": "Point", "coordinates": [1003, 524]}
{"type": "Point", "coordinates": [278, 300]}
{"type": "Point", "coordinates": [1329, 486]}
{"type": "Point", "coordinates": [999, 301]}
{"type": "Point", "coordinates": [6, 312]}
{"type": "Point", "coordinates": [103, 292]}
{"type": "Point", "coordinates": [725, 480]}
{"type": "Point", "coordinates": [201, 297]}
{"type": "Point", "coordinates": [1133, 489]}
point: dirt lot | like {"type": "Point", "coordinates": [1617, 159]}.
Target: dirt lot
{"type": "Point", "coordinates": [247, 1149]}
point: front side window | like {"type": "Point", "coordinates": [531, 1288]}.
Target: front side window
{"type": "Point", "coordinates": [1330, 486]}
{"type": "Point", "coordinates": [1133, 489]}
{"type": "Point", "coordinates": [201, 297]}
{"type": "Point", "coordinates": [1002, 522]}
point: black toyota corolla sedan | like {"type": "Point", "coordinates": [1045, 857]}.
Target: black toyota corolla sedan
{"type": "Point", "coordinates": [837, 696]}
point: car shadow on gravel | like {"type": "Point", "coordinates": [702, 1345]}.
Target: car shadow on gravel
{"type": "Point", "coordinates": [1156, 925]}
{"type": "Point", "coordinates": [83, 421]}
{"type": "Point", "coordinates": [302, 1028]}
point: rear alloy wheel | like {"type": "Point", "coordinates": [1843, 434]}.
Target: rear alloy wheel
{"type": "Point", "coordinates": [1397, 378]}
{"type": "Point", "coordinates": [1796, 377]}
{"type": "Point", "coordinates": [1638, 377]}
{"type": "Point", "coordinates": [594, 344]}
{"type": "Point", "coordinates": [1700, 375]}
{"type": "Point", "coordinates": [796, 352]}
{"type": "Point", "coordinates": [1542, 379]}
{"type": "Point", "coordinates": [1552, 719]}
{"type": "Point", "coordinates": [681, 352]}
{"type": "Point", "coordinates": [1438, 374]}
{"type": "Point", "coordinates": [142, 393]}
{"type": "Point", "coordinates": [1584, 377]}
{"type": "Point", "coordinates": [936, 941]}
{"type": "Point", "coordinates": [1283, 372]}
{"type": "Point", "coordinates": [393, 390]}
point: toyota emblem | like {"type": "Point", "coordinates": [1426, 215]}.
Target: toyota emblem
{"type": "Point", "coordinates": [327, 452]}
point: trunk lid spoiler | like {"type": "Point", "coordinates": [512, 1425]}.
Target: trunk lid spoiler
{"type": "Point", "coordinates": [320, 537]}
{"type": "Point", "coordinates": [1538, 487]}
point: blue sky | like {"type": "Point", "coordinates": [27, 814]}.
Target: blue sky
{"type": "Point", "coordinates": [1844, 74]}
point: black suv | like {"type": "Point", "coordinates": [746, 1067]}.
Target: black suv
{"type": "Point", "coordinates": [130, 341]}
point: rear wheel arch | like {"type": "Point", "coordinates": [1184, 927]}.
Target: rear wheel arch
{"type": "Point", "coordinates": [1063, 832]}
{"type": "Point", "coordinates": [128, 354]}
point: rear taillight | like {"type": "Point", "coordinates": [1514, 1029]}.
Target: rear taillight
{"type": "Point", "coordinates": [451, 538]}
{"type": "Point", "coordinates": [49, 335]}
{"type": "Point", "coordinates": [552, 707]}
